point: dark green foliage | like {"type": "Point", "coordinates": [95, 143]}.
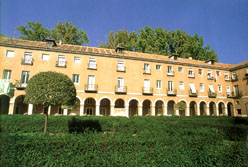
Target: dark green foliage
{"type": "Point", "coordinates": [79, 126]}
{"type": "Point", "coordinates": [162, 42]}
{"type": "Point", "coordinates": [50, 88]}
{"type": "Point", "coordinates": [138, 141]}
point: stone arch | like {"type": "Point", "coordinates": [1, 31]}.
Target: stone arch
{"type": "Point", "coordinates": [212, 108]}
{"type": "Point", "coordinates": [133, 107]}
{"type": "Point", "coordinates": [171, 108]}
{"type": "Point", "coordinates": [159, 107]}
{"type": "Point", "coordinates": [105, 106]}
{"type": "Point", "coordinates": [192, 108]}
{"type": "Point", "coordinates": [4, 104]}
{"type": "Point", "coordinates": [230, 109]}
{"type": "Point", "coordinates": [20, 107]}
{"type": "Point", "coordinates": [221, 108]}
{"type": "Point", "coordinates": [119, 103]}
{"type": "Point", "coordinates": [134, 98]}
{"type": "Point", "coordinates": [90, 106]}
{"type": "Point", "coordinates": [76, 109]}
{"type": "Point", "coordinates": [105, 97]}
{"type": "Point", "coordinates": [146, 107]}
{"type": "Point", "coordinates": [182, 112]}
{"type": "Point", "coordinates": [154, 103]}
{"type": "Point", "coordinates": [81, 101]}
{"type": "Point", "coordinates": [203, 107]}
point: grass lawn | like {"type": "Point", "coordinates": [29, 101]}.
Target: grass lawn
{"type": "Point", "coordinates": [118, 141]}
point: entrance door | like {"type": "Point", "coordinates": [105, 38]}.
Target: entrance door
{"type": "Point", "coordinates": [170, 86]}
{"type": "Point", "coordinates": [120, 84]}
{"type": "Point", "coordinates": [91, 82]}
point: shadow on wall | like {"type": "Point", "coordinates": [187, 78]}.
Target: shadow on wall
{"type": "Point", "coordinates": [80, 126]}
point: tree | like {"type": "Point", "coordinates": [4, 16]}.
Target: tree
{"type": "Point", "coordinates": [163, 42]}
{"type": "Point", "coordinates": [69, 34]}
{"type": "Point", "coordinates": [33, 31]}
{"type": "Point", "coordinates": [50, 88]}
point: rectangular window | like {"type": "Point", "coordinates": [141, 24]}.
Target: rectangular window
{"type": "Point", "coordinates": [180, 69]}
{"type": "Point", "coordinates": [10, 53]}
{"type": "Point", "coordinates": [6, 74]}
{"type": "Point", "coordinates": [201, 87]}
{"type": "Point", "coordinates": [170, 86]}
{"type": "Point", "coordinates": [75, 78]}
{"type": "Point", "coordinates": [219, 88]}
{"type": "Point", "coordinates": [45, 57]}
{"type": "Point", "coordinates": [170, 70]}
{"type": "Point", "coordinates": [77, 59]}
{"type": "Point", "coordinates": [226, 76]}
{"type": "Point", "coordinates": [181, 86]}
{"type": "Point", "coordinates": [158, 67]}
{"type": "Point", "coordinates": [121, 66]}
{"type": "Point", "coordinates": [159, 84]}
{"type": "Point", "coordinates": [92, 63]}
{"type": "Point", "coordinates": [27, 58]}
{"type": "Point", "coordinates": [91, 82]}
{"type": "Point", "coordinates": [146, 86]}
{"type": "Point", "coordinates": [218, 73]}
{"type": "Point", "coordinates": [147, 68]}
{"type": "Point", "coordinates": [191, 72]}
{"type": "Point", "coordinates": [200, 72]}
{"type": "Point", "coordinates": [120, 82]}
{"type": "Point", "coordinates": [210, 75]}
{"type": "Point", "coordinates": [228, 90]}
{"type": "Point", "coordinates": [24, 78]}
{"type": "Point", "coordinates": [61, 61]}
{"type": "Point", "coordinates": [192, 88]}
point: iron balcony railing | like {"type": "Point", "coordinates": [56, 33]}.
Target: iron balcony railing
{"type": "Point", "coordinates": [19, 85]}
{"type": "Point", "coordinates": [227, 78]}
{"type": "Point", "coordinates": [27, 61]}
{"type": "Point", "coordinates": [212, 94]}
{"type": "Point", "coordinates": [146, 71]}
{"type": "Point", "coordinates": [210, 77]}
{"type": "Point", "coordinates": [121, 89]}
{"type": "Point", "coordinates": [147, 91]}
{"type": "Point", "coordinates": [234, 77]}
{"type": "Point", "coordinates": [170, 73]}
{"type": "Point", "coordinates": [172, 92]}
{"type": "Point", "coordinates": [92, 66]}
{"type": "Point", "coordinates": [121, 69]}
{"type": "Point", "coordinates": [233, 95]}
{"type": "Point", "coordinates": [91, 87]}
{"type": "Point", "coordinates": [61, 64]}
{"type": "Point", "coordinates": [193, 94]}
{"type": "Point", "coordinates": [192, 75]}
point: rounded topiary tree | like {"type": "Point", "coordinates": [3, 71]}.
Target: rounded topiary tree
{"type": "Point", "coordinates": [50, 88]}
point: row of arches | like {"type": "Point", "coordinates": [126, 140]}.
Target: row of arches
{"type": "Point", "coordinates": [133, 107]}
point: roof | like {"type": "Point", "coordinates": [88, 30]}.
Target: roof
{"type": "Point", "coordinates": [103, 51]}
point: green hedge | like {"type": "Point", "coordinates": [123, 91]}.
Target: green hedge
{"type": "Point", "coordinates": [139, 141]}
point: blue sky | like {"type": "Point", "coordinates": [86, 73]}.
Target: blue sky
{"type": "Point", "coordinates": [223, 24]}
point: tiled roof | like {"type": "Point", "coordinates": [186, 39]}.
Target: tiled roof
{"type": "Point", "coordinates": [77, 48]}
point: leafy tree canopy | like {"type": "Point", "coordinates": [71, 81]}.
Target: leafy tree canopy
{"type": "Point", "coordinates": [68, 33]}
{"type": "Point", "coordinates": [50, 88]}
{"type": "Point", "coordinates": [163, 42]}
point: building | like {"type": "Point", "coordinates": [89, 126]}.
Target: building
{"type": "Point", "coordinates": [122, 83]}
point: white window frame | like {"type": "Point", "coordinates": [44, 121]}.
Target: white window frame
{"type": "Point", "coordinates": [180, 68]}
{"type": "Point", "coordinates": [158, 67]}
{"type": "Point", "coordinates": [209, 74]}
{"type": "Point", "coordinates": [10, 53]}
{"type": "Point", "coordinates": [219, 73]}
{"type": "Point", "coordinates": [181, 85]}
{"type": "Point", "coordinates": [76, 79]}
{"type": "Point", "coordinates": [226, 76]}
{"type": "Point", "coordinates": [8, 74]}
{"type": "Point", "coordinates": [159, 84]}
{"type": "Point", "coordinates": [170, 86]}
{"type": "Point", "coordinates": [147, 68]}
{"type": "Point", "coordinates": [147, 85]}
{"type": "Point", "coordinates": [201, 87]}
{"type": "Point", "coordinates": [91, 82]}
{"type": "Point", "coordinates": [45, 57]}
{"type": "Point", "coordinates": [170, 70]}
{"type": "Point", "coordinates": [120, 84]}
{"type": "Point", "coordinates": [191, 72]}
{"type": "Point", "coordinates": [219, 88]}
{"type": "Point", "coordinates": [200, 69]}
{"type": "Point", "coordinates": [28, 57]}
{"type": "Point", "coordinates": [92, 63]}
{"type": "Point", "coordinates": [228, 90]}
{"type": "Point", "coordinates": [121, 66]}
{"type": "Point", "coordinates": [61, 60]}
{"type": "Point", "coordinates": [77, 59]}
{"type": "Point", "coordinates": [26, 75]}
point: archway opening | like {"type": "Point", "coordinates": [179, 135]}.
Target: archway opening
{"type": "Point", "coordinates": [221, 108]}
{"type": "Point", "coordinates": [4, 104]}
{"type": "Point", "coordinates": [171, 108]}
{"type": "Point", "coordinates": [133, 108]}
{"type": "Point", "coordinates": [230, 109]}
{"type": "Point", "coordinates": [146, 108]}
{"type": "Point", "coordinates": [159, 107]}
{"type": "Point", "coordinates": [20, 107]}
{"type": "Point", "coordinates": [105, 107]}
{"type": "Point", "coordinates": [90, 106]}
{"type": "Point", "coordinates": [212, 108]}
{"type": "Point", "coordinates": [182, 112]}
{"type": "Point", "coordinates": [203, 108]}
{"type": "Point", "coordinates": [75, 110]}
{"type": "Point", "coordinates": [192, 108]}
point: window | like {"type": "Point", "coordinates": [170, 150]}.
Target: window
{"type": "Point", "coordinates": [158, 67]}
{"type": "Point", "coordinates": [170, 70]}
{"type": "Point", "coordinates": [121, 66]}
{"type": "Point", "coordinates": [147, 68]}
{"type": "Point", "coordinates": [210, 75]}
{"type": "Point", "coordinates": [6, 74]}
{"type": "Point", "coordinates": [75, 78]}
{"type": "Point", "coordinates": [180, 69]}
{"type": "Point", "coordinates": [146, 86]}
{"type": "Point", "coordinates": [181, 86]}
{"type": "Point", "coordinates": [228, 90]}
{"type": "Point", "coordinates": [61, 61]}
{"type": "Point", "coordinates": [218, 73]}
{"type": "Point", "coordinates": [239, 111]}
{"type": "Point", "coordinates": [237, 102]}
{"type": "Point", "coordinates": [192, 88]}
{"type": "Point", "coordinates": [201, 87]}
{"type": "Point", "coordinates": [219, 88]}
{"type": "Point", "coordinates": [92, 63]}
{"type": "Point", "coordinates": [91, 82]}
{"type": "Point", "coordinates": [191, 72]}
{"type": "Point", "coordinates": [27, 58]}
{"type": "Point", "coordinates": [77, 59]}
{"type": "Point", "coordinates": [159, 84]}
{"type": "Point", "coordinates": [120, 84]}
{"type": "Point", "coordinates": [226, 76]}
{"type": "Point", "coordinates": [170, 86]}
{"type": "Point", "coordinates": [200, 72]}
{"type": "Point", "coordinates": [10, 53]}
{"type": "Point", "coordinates": [45, 57]}
{"type": "Point", "coordinates": [24, 78]}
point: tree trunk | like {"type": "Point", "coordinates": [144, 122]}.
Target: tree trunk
{"type": "Point", "coordinates": [45, 125]}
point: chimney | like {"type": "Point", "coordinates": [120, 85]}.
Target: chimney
{"type": "Point", "coordinates": [119, 49]}
{"type": "Point", "coordinates": [174, 56]}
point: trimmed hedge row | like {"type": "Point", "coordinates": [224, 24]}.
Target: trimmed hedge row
{"type": "Point", "coordinates": [139, 141]}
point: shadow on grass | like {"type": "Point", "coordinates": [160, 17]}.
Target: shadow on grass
{"type": "Point", "coordinates": [80, 126]}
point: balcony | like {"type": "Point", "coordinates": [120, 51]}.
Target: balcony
{"type": "Point", "coordinates": [233, 95]}
{"type": "Point", "coordinates": [91, 88]}
{"type": "Point", "coordinates": [212, 94]}
{"type": "Point", "coordinates": [121, 69]}
{"type": "Point", "coordinates": [20, 86]}
{"type": "Point", "coordinates": [61, 64]}
{"type": "Point", "coordinates": [193, 94]}
{"type": "Point", "coordinates": [192, 75]}
{"type": "Point", "coordinates": [170, 73]}
{"type": "Point", "coordinates": [172, 92]}
{"type": "Point", "coordinates": [227, 78]}
{"type": "Point", "coordinates": [147, 91]}
{"type": "Point", "coordinates": [234, 78]}
{"type": "Point", "coordinates": [92, 66]}
{"type": "Point", "coordinates": [121, 90]}
{"type": "Point", "coordinates": [146, 71]}
{"type": "Point", "coordinates": [210, 77]}
{"type": "Point", "coordinates": [6, 87]}
{"type": "Point", "coordinates": [27, 61]}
